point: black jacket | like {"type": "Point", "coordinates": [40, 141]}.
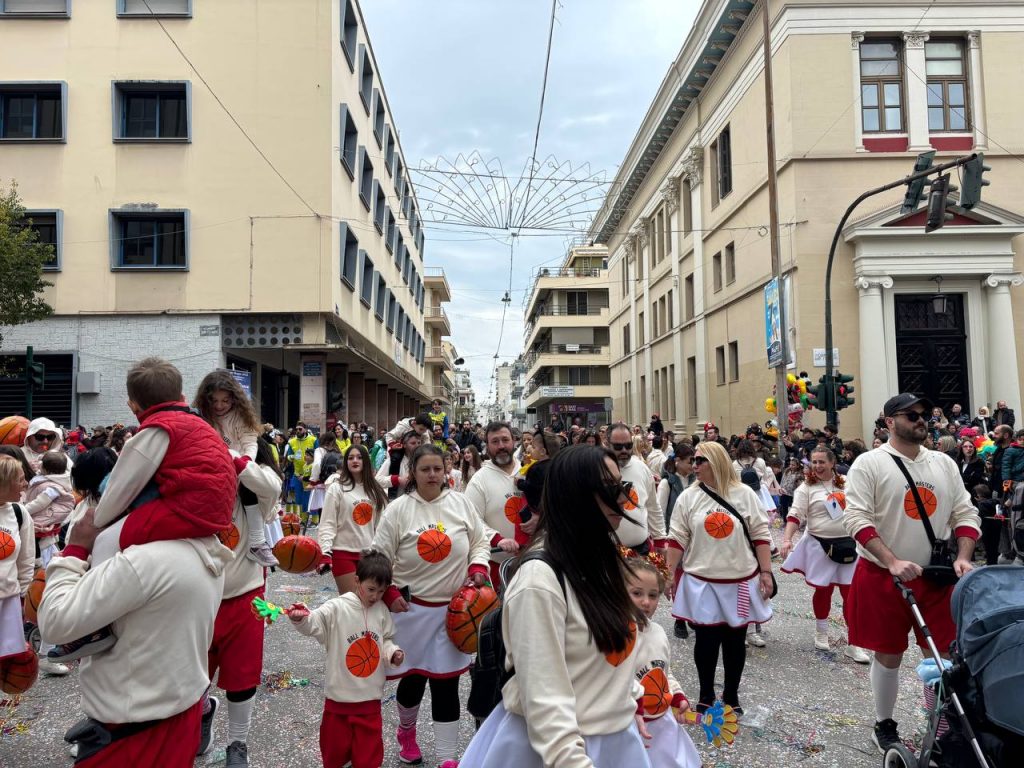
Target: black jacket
{"type": "Point", "coordinates": [464, 439]}
{"type": "Point", "coordinates": [972, 473]}
{"type": "Point", "coordinates": [1004, 416]}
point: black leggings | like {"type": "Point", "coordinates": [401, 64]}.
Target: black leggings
{"type": "Point", "coordinates": [991, 531]}
{"type": "Point", "coordinates": [707, 641]}
{"type": "Point", "coordinates": [444, 696]}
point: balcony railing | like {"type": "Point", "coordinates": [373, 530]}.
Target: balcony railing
{"type": "Point", "coordinates": [433, 272]}
{"type": "Point", "coordinates": [562, 349]}
{"type": "Point", "coordinates": [434, 353]}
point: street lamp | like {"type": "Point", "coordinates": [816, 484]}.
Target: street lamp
{"type": "Point", "coordinates": [939, 303]}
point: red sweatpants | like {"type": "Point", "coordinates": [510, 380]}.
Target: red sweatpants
{"type": "Point", "coordinates": [169, 744]}
{"type": "Point", "coordinates": [351, 731]}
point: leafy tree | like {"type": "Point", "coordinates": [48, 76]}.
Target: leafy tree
{"type": "Point", "coordinates": [22, 257]}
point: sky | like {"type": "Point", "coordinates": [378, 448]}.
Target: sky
{"type": "Point", "coordinates": [464, 76]}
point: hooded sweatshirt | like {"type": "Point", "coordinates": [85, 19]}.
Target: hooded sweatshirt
{"type": "Point", "coordinates": [498, 501]}
{"type": "Point", "coordinates": [243, 575]}
{"type": "Point", "coordinates": [49, 501]}
{"type": "Point", "coordinates": [17, 568]}
{"type": "Point", "coordinates": [42, 424]}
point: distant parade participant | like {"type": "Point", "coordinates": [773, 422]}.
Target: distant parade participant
{"type": "Point", "coordinates": [17, 556]}
{"type": "Point", "coordinates": [436, 543]}
{"type": "Point", "coordinates": [295, 451]}
{"type": "Point", "coordinates": [496, 498]}
{"type": "Point", "coordinates": [41, 437]}
{"type": "Point", "coordinates": [643, 507]}
{"type": "Point", "coordinates": [395, 473]}
{"type": "Point", "coordinates": [438, 417]}
{"type": "Point", "coordinates": [421, 424]}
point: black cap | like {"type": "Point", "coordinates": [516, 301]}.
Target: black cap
{"type": "Point", "coordinates": [903, 401]}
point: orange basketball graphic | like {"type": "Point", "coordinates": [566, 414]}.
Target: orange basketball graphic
{"type": "Point", "coordinates": [34, 596]}
{"type": "Point", "coordinates": [13, 430]}
{"type": "Point", "coordinates": [718, 525]}
{"type": "Point", "coordinates": [633, 502]}
{"type": "Point", "coordinates": [291, 524]}
{"type": "Point", "coordinates": [362, 657]}
{"type": "Point", "coordinates": [839, 498]}
{"type": "Point", "coordinates": [617, 657]}
{"type": "Point", "coordinates": [513, 506]}
{"type": "Point", "coordinates": [6, 545]}
{"type": "Point", "coordinates": [19, 672]}
{"type": "Point", "coordinates": [927, 498]}
{"type": "Point", "coordinates": [434, 546]}
{"type": "Point", "coordinates": [657, 698]}
{"type": "Point", "coordinates": [297, 554]}
{"type": "Point", "coordinates": [466, 611]}
{"type": "Point", "coordinates": [362, 513]}
{"type": "Point", "coordinates": [229, 536]}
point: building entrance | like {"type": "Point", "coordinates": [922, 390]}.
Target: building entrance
{"type": "Point", "coordinates": [931, 349]}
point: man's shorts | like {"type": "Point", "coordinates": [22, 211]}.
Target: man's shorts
{"type": "Point", "coordinates": [237, 647]}
{"type": "Point", "coordinates": [343, 562]}
{"type": "Point", "coordinates": [879, 618]}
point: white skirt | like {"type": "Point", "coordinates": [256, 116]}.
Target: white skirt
{"type": "Point", "coordinates": [670, 745]}
{"type": "Point", "coordinates": [12, 626]}
{"type": "Point", "coordinates": [274, 531]}
{"type": "Point", "coordinates": [502, 741]}
{"type": "Point", "coordinates": [709, 602]}
{"type": "Point", "coordinates": [767, 502]}
{"type": "Point", "coordinates": [810, 560]}
{"type": "Point", "coordinates": [317, 494]}
{"type": "Point", "coordinates": [421, 633]}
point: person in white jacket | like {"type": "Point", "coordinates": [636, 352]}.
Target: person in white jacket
{"type": "Point", "coordinates": [42, 436]}
{"type": "Point", "coordinates": [17, 556]}
{"type": "Point", "coordinates": [648, 531]}
{"type": "Point", "coordinates": [395, 473]}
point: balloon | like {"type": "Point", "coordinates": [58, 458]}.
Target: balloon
{"type": "Point", "coordinates": [805, 402]}
{"type": "Point", "coordinates": [987, 450]}
{"type": "Point", "coordinates": [790, 379]}
{"type": "Point", "coordinates": [769, 405]}
{"type": "Point", "coordinates": [803, 385]}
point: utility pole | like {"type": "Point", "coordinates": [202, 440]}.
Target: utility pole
{"type": "Point", "coordinates": [29, 389]}
{"type": "Point", "coordinates": [781, 390]}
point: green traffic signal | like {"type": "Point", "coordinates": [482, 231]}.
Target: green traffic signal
{"type": "Point", "coordinates": [973, 181]}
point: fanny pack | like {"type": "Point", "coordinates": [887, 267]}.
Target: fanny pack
{"type": "Point", "coordinates": [940, 564]}
{"type": "Point", "coordinates": [842, 550]}
{"type": "Point", "coordinates": [92, 736]}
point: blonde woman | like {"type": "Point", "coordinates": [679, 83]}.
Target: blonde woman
{"type": "Point", "coordinates": [720, 534]}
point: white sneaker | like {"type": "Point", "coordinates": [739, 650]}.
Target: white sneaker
{"type": "Point", "coordinates": [821, 640]}
{"type": "Point", "coordinates": [73, 749]}
{"type": "Point", "coordinates": [757, 639]}
{"type": "Point", "coordinates": [857, 654]}
{"type": "Point", "coordinates": [54, 668]}
{"type": "Point", "coordinates": [263, 555]}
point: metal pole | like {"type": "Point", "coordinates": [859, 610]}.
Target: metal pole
{"type": "Point", "coordinates": [781, 390]}
{"type": "Point", "coordinates": [829, 362]}
{"type": "Point", "coordinates": [28, 382]}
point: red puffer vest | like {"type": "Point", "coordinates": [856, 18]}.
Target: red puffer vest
{"type": "Point", "coordinates": [196, 479]}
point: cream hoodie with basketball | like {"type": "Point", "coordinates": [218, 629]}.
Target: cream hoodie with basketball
{"type": "Point", "coordinates": [17, 567]}
{"type": "Point", "coordinates": [243, 575]}
{"type": "Point", "coordinates": [352, 633]}
{"type": "Point", "coordinates": [653, 670]}
{"type": "Point", "coordinates": [431, 544]}
{"type": "Point", "coordinates": [646, 509]}
{"type": "Point", "coordinates": [239, 437]}
{"type": "Point", "coordinates": [563, 686]}
{"type": "Point", "coordinates": [712, 539]}
{"type": "Point", "coordinates": [348, 519]}
{"type": "Point", "coordinates": [492, 492]}
{"type": "Point", "coordinates": [878, 499]}
{"type": "Point", "coordinates": [822, 506]}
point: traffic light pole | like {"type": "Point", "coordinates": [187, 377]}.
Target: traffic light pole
{"type": "Point", "coordinates": [829, 361]}
{"type": "Point", "coordinates": [29, 389]}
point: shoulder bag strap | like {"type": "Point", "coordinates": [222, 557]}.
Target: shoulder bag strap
{"type": "Point", "coordinates": [732, 511]}
{"type": "Point", "coordinates": [18, 515]}
{"type": "Point", "coordinates": [921, 512]}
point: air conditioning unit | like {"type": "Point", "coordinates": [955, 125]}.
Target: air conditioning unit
{"type": "Point", "coordinates": [88, 383]}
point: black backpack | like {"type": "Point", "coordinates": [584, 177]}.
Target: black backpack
{"type": "Point", "coordinates": [749, 476]}
{"type": "Point", "coordinates": [488, 674]}
{"type": "Point", "coordinates": [329, 465]}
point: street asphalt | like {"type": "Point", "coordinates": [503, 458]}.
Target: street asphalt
{"type": "Point", "coordinates": [816, 705]}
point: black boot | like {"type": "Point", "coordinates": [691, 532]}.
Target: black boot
{"type": "Point", "coordinates": [680, 630]}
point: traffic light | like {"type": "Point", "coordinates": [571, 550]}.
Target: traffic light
{"type": "Point", "coordinates": [973, 180]}
{"type": "Point", "coordinates": [36, 376]}
{"type": "Point", "coordinates": [915, 189]}
{"type": "Point", "coordinates": [937, 215]}
{"type": "Point", "coordinates": [818, 395]}
{"type": "Point", "coordinates": [844, 390]}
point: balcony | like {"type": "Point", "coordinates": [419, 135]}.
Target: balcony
{"type": "Point", "coordinates": [571, 355]}
{"type": "Point", "coordinates": [561, 317]}
{"type": "Point", "coordinates": [541, 394]}
{"type": "Point", "coordinates": [566, 279]}
{"type": "Point", "coordinates": [434, 280]}
{"type": "Point", "coordinates": [441, 393]}
{"type": "Point", "coordinates": [438, 318]}
{"type": "Point", "coordinates": [439, 356]}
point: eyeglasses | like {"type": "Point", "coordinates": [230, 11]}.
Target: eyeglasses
{"type": "Point", "coordinates": [622, 446]}
{"type": "Point", "coordinates": [912, 416]}
{"type": "Point", "coordinates": [40, 436]}
{"type": "Point", "coordinates": [698, 460]}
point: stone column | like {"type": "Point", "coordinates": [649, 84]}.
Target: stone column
{"type": "Point", "coordinates": [356, 400]}
{"type": "Point", "coordinates": [917, 91]}
{"type": "Point", "coordinates": [1001, 349]}
{"type": "Point", "coordinates": [693, 168]}
{"type": "Point", "coordinates": [393, 414]}
{"type": "Point", "coordinates": [977, 91]}
{"type": "Point", "coordinates": [381, 416]}
{"type": "Point", "coordinates": [874, 371]}
{"type": "Point", "coordinates": [670, 194]}
{"type": "Point", "coordinates": [369, 401]}
{"type": "Point", "coordinates": [856, 38]}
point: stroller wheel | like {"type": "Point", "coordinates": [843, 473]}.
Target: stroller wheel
{"type": "Point", "coordinates": [898, 756]}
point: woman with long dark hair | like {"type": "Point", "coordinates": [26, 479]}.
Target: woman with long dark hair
{"type": "Point", "coordinates": [570, 701]}
{"type": "Point", "coordinates": [352, 508]}
{"type": "Point", "coordinates": [471, 463]}
{"type": "Point", "coordinates": [436, 543]}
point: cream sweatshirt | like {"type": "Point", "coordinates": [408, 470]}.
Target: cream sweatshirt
{"type": "Point", "coordinates": [563, 687]}
{"type": "Point", "coordinates": [241, 574]}
{"type": "Point", "coordinates": [17, 569]}
{"type": "Point", "coordinates": [387, 480]}
{"type": "Point", "coordinates": [811, 503]}
{"type": "Point", "coordinates": [239, 437]}
{"type": "Point", "coordinates": [352, 635]}
{"type": "Point", "coordinates": [653, 670]}
{"type": "Point", "coordinates": [431, 544]}
{"type": "Point", "coordinates": [161, 599]}
{"type": "Point", "coordinates": [714, 546]}
{"type": "Point", "coordinates": [348, 519]}
{"type": "Point", "coordinates": [646, 509]}
{"type": "Point", "coordinates": [136, 466]}
{"type": "Point", "coordinates": [492, 492]}
{"type": "Point", "coordinates": [879, 498]}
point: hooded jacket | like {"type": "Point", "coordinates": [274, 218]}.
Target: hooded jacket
{"type": "Point", "coordinates": [49, 501]}
{"type": "Point", "coordinates": [42, 424]}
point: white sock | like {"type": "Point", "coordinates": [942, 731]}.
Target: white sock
{"type": "Point", "coordinates": [446, 740]}
{"type": "Point", "coordinates": [239, 719]}
{"type": "Point", "coordinates": [885, 685]}
{"type": "Point", "coordinates": [254, 520]}
{"type": "Point", "coordinates": [821, 625]}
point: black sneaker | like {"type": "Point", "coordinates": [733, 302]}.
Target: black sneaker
{"type": "Point", "coordinates": [703, 706]}
{"type": "Point", "coordinates": [206, 728]}
{"type": "Point", "coordinates": [885, 735]}
{"type": "Point", "coordinates": [237, 755]}
{"type": "Point", "coordinates": [83, 646]}
{"type": "Point", "coordinates": [680, 630]}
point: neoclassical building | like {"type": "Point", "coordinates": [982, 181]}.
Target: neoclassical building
{"type": "Point", "coordinates": [858, 94]}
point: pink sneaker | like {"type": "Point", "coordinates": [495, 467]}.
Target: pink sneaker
{"type": "Point", "coordinates": [450, 764]}
{"type": "Point", "coordinates": [409, 751]}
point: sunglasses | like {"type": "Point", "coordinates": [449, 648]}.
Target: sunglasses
{"type": "Point", "coordinates": [622, 446]}
{"type": "Point", "coordinates": [912, 416]}
{"type": "Point", "coordinates": [39, 436]}
{"type": "Point", "coordinates": [698, 460]}
{"type": "Point", "coordinates": [615, 491]}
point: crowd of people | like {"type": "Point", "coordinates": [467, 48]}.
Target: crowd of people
{"type": "Point", "coordinates": [156, 539]}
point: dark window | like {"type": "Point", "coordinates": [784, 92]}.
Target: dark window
{"type": "Point", "coordinates": [399, 171]}
{"type": "Point", "coordinates": [366, 286]}
{"type": "Point", "coordinates": [579, 376]}
{"type": "Point", "coordinates": [947, 86]}
{"type": "Point", "coordinates": [31, 112]}
{"type": "Point", "coordinates": [365, 78]}
{"type": "Point", "coordinates": [730, 264]}
{"type": "Point", "coordinates": [881, 86]}
{"type": "Point", "coordinates": [406, 265]}
{"type": "Point", "coordinates": [155, 8]}
{"type": "Point", "coordinates": [389, 149]}
{"type": "Point", "coordinates": [392, 306]}
{"type": "Point", "coordinates": [349, 32]}
{"type": "Point", "coordinates": [576, 302]}
{"type": "Point", "coordinates": [151, 240]}
{"type": "Point", "coordinates": [734, 361]}
{"type": "Point", "coordinates": [720, 365]}
{"type": "Point", "coordinates": [365, 178]}
{"type": "Point", "coordinates": [400, 325]}
{"type": "Point", "coordinates": [349, 255]}
{"type": "Point", "coordinates": [382, 297]}
{"type": "Point", "coordinates": [724, 162]}
{"type": "Point", "coordinates": [148, 113]}
{"type": "Point", "coordinates": [380, 203]}
{"type": "Point", "coordinates": [688, 298]}
{"type": "Point", "coordinates": [47, 227]}
{"type": "Point", "coordinates": [626, 347]}
{"type": "Point", "coordinates": [379, 117]}
{"type": "Point", "coordinates": [349, 141]}
{"type": "Point", "coordinates": [399, 249]}
{"type": "Point", "coordinates": [716, 272]}
{"type": "Point", "coordinates": [413, 277]}
{"type": "Point", "coordinates": [390, 229]}
{"type": "Point", "coordinates": [30, 8]}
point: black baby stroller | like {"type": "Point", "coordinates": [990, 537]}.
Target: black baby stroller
{"type": "Point", "coordinates": [979, 695]}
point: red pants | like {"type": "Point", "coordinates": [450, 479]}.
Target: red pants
{"type": "Point", "coordinates": [352, 732]}
{"type": "Point", "coordinates": [169, 744]}
{"type": "Point", "coordinates": [822, 600]}
{"type": "Point", "coordinates": [237, 647]}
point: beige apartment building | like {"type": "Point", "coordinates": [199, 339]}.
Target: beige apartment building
{"type": "Point", "coordinates": [859, 91]}
{"type": "Point", "coordinates": [567, 343]}
{"type": "Point", "coordinates": [224, 186]}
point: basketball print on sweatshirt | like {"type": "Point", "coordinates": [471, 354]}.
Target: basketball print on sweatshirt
{"type": "Point", "coordinates": [927, 493]}
{"type": "Point", "coordinates": [719, 525]}
{"type": "Point", "coordinates": [633, 501]}
{"type": "Point", "coordinates": [7, 544]}
{"type": "Point", "coordinates": [433, 544]}
{"type": "Point", "coordinates": [513, 506]}
{"type": "Point", "coordinates": [657, 697]}
{"type": "Point", "coordinates": [617, 657]}
{"type": "Point", "coordinates": [362, 513]}
{"type": "Point", "coordinates": [363, 655]}
{"type": "Point", "coordinates": [229, 536]}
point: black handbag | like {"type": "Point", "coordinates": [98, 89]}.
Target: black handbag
{"type": "Point", "coordinates": [940, 565]}
{"type": "Point", "coordinates": [743, 524]}
{"type": "Point", "coordinates": [842, 550]}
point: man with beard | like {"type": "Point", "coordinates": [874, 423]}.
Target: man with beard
{"type": "Point", "coordinates": [1002, 436]}
{"type": "Point", "coordinates": [644, 518]}
{"type": "Point", "coordinates": [467, 437]}
{"type": "Point", "coordinates": [493, 493]}
{"type": "Point", "coordinates": [882, 514]}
